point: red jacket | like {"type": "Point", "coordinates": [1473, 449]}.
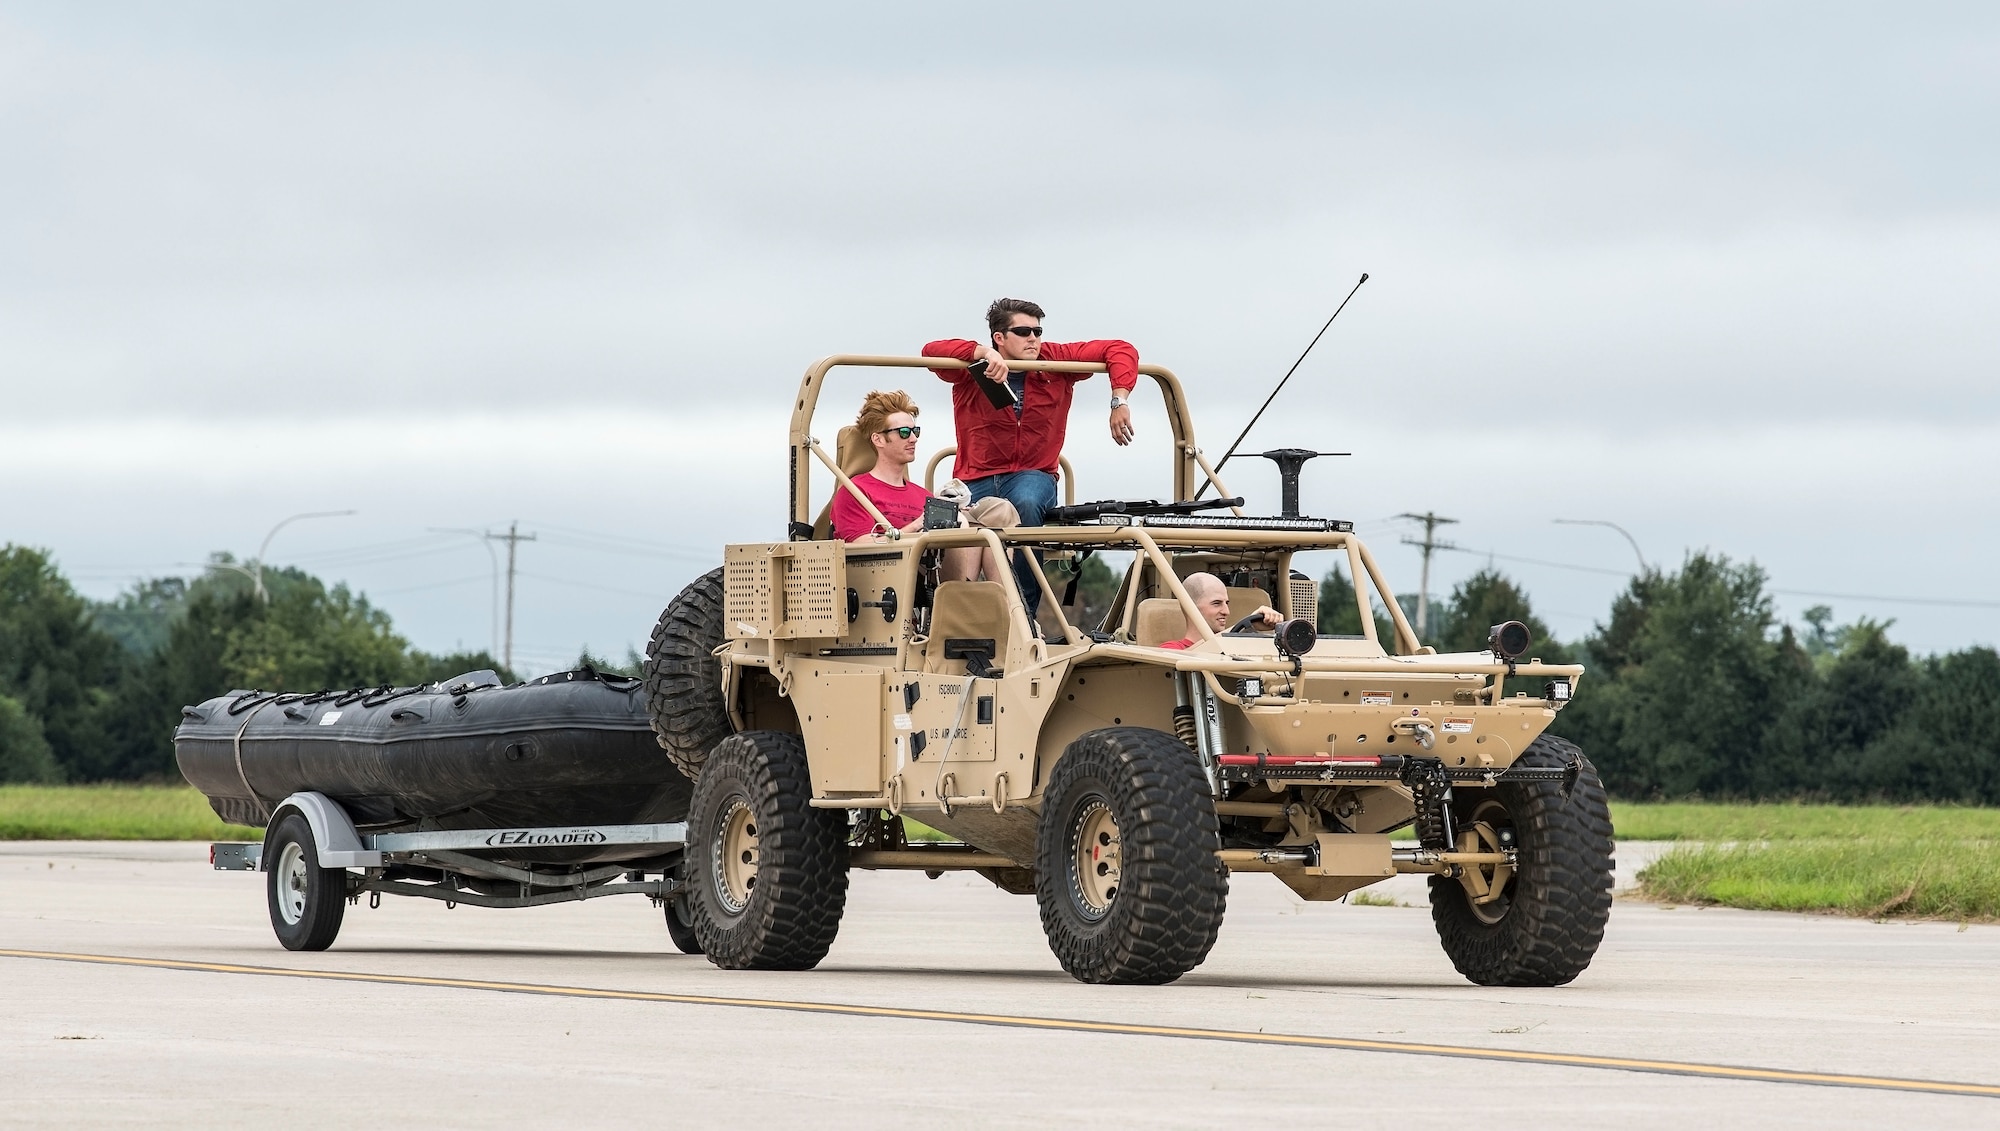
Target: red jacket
{"type": "Point", "coordinates": [990, 440]}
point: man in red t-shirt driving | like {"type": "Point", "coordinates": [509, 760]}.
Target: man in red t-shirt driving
{"type": "Point", "coordinates": [1015, 452]}
{"type": "Point", "coordinates": [1211, 596]}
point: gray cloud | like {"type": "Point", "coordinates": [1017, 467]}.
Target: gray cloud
{"type": "Point", "coordinates": [1679, 244]}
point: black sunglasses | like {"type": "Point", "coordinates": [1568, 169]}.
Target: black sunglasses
{"type": "Point", "coordinates": [1025, 331]}
{"type": "Point", "coordinates": [906, 432]}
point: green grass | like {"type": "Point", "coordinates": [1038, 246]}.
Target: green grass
{"type": "Point", "coordinates": [1779, 821]}
{"type": "Point", "coordinates": [1877, 877]}
{"type": "Point", "coordinates": [1880, 861]}
{"type": "Point", "coordinates": [111, 812]}
{"type": "Point", "coordinates": [1366, 898]}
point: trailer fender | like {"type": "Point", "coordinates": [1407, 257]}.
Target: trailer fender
{"type": "Point", "coordinates": [333, 832]}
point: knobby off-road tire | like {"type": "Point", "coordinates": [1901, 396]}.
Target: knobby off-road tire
{"type": "Point", "coordinates": [683, 677]}
{"type": "Point", "coordinates": [1546, 927]}
{"type": "Point", "coordinates": [1150, 915]}
{"type": "Point", "coordinates": [769, 871]}
{"type": "Point", "coordinates": [307, 902]}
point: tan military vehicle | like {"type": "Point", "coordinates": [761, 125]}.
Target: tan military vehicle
{"type": "Point", "coordinates": [818, 691]}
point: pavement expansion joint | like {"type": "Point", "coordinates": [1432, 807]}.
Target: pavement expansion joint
{"type": "Point", "coordinates": [1060, 1024]}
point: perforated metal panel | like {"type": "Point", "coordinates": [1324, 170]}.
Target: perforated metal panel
{"type": "Point", "coordinates": [785, 590]}
{"type": "Point", "coordinates": [1305, 598]}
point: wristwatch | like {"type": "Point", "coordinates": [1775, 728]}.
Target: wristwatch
{"type": "Point", "coordinates": [1118, 402]}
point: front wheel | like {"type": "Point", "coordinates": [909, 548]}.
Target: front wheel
{"type": "Point", "coordinates": [768, 871]}
{"type": "Point", "coordinates": [1130, 888]}
{"type": "Point", "coordinates": [307, 901]}
{"type": "Point", "coordinates": [1544, 923]}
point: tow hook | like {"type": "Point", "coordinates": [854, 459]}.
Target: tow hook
{"type": "Point", "coordinates": [1417, 727]}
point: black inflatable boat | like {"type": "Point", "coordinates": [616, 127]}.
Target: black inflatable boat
{"type": "Point", "coordinates": [568, 749]}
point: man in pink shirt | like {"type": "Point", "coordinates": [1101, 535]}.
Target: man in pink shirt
{"type": "Point", "coordinates": [889, 420]}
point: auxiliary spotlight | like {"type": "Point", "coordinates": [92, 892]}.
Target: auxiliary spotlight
{"type": "Point", "coordinates": [1510, 640]}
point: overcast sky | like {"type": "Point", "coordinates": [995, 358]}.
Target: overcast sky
{"type": "Point", "coordinates": [1723, 274]}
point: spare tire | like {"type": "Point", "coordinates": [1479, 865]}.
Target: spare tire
{"type": "Point", "coordinates": [684, 678]}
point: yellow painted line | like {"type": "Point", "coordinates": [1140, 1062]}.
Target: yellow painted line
{"type": "Point", "coordinates": [1063, 1024]}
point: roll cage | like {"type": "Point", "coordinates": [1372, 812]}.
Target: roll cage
{"type": "Point", "coordinates": [1154, 549]}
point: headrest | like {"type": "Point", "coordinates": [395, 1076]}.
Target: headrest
{"type": "Point", "coordinates": [853, 451]}
{"type": "Point", "coordinates": [1161, 621]}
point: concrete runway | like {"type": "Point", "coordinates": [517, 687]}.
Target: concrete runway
{"type": "Point", "coordinates": [95, 1044]}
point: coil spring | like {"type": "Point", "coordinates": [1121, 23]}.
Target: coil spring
{"type": "Point", "coordinates": [1185, 728]}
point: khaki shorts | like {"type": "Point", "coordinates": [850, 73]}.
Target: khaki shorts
{"type": "Point", "coordinates": [993, 513]}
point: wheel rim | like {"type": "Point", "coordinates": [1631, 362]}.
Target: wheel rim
{"type": "Point", "coordinates": [291, 879]}
{"type": "Point", "coordinates": [1094, 859]}
{"type": "Point", "coordinates": [734, 856]}
{"type": "Point", "coordinates": [1488, 818]}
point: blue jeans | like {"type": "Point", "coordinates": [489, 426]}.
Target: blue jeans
{"type": "Point", "coordinates": [1032, 493]}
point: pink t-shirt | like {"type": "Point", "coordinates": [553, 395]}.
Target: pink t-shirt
{"type": "Point", "coordinates": [900, 505]}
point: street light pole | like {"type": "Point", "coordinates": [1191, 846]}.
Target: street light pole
{"type": "Point", "coordinates": [1643, 567]}
{"type": "Point", "coordinates": [257, 578]}
{"type": "Point", "coordinates": [486, 540]}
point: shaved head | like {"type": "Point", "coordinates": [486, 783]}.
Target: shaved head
{"type": "Point", "coordinates": [1200, 585]}
{"type": "Point", "coordinates": [1211, 597]}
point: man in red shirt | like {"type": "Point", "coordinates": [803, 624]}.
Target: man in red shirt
{"type": "Point", "coordinates": [1211, 597]}
{"type": "Point", "coordinates": [1015, 452]}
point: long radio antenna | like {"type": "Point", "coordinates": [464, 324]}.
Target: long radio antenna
{"type": "Point", "coordinates": [1281, 385]}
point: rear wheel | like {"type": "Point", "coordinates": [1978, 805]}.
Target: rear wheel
{"type": "Point", "coordinates": [768, 871]}
{"type": "Point", "coordinates": [684, 678]}
{"type": "Point", "coordinates": [1544, 925]}
{"type": "Point", "coordinates": [1131, 891]}
{"type": "Point", "coordinates": [307, 901]}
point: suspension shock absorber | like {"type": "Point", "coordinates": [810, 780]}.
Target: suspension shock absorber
{"type": "Point", "coordinates": [1184, 727]}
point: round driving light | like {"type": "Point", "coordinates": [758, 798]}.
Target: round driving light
{"type": "Point", "coordinates": [1296, 637]}
{"type": "Point", "coordinates": [1509, 640]}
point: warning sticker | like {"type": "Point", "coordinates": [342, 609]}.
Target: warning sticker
{"type": "Point", "coordinates": [1458, 726]}
{"type": "Point", "coordinates": [1377, 699]}
{"type": "Point", "coordinates": [902, 722]}
{"type": "Point", "coordinates": [330, 718]}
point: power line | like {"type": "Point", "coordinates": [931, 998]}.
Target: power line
{"type": "Point", "coordinates": [1942, 602]}
{"type": "Point", "coordinates": [1946, 602]}
{"type": "Point", "coordinates": [428, 585]}
{"type": "Point", "coordinates": [587, 585]}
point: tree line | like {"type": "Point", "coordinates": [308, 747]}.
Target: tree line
{"type": "Point", "coordinates": [1694, 687]}
{"type": "Point", "coordinates": [91, 691]}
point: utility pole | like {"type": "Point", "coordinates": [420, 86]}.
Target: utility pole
{"type": "Point", "coordinates": [513, 538]}
{"type": "Point", "coordinates": [1429, 545]}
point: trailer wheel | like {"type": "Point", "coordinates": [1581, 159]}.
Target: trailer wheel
{"type": "Point", "coordinates": [1546, 925]}
{"type": "Point", "coordinates": [768, 871]}
{"type": "Point", "coordinates": [1131, 891]}
{"type": "Point", "coordinates": [683, 677]}
{"type": "Point", "coordinates": [307, 901]}
{"type": "Point", "coordinates": [680, 915]}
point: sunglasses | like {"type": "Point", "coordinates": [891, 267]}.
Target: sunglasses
{"type": "Point", "coordinates": [906, 432]}
{"type": "Point", "coordinates": [1025, 331]}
